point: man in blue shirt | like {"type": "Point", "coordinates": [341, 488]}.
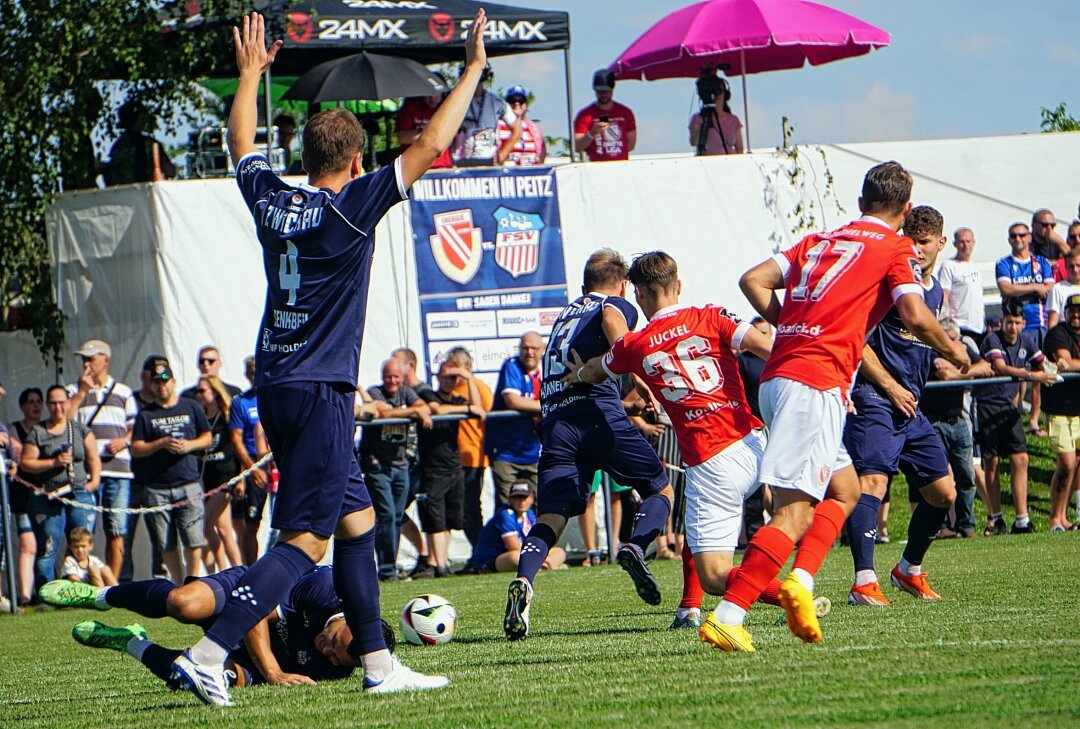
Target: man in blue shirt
{"type": "Point", "coordinates": [887, 432]}
{"type": "Point", "coordinates": [585, 429]}
{"type": "Point", "coordinates": [250, 495]}
{"type": "Point", "coordinates": [318, 242]}
{"type": "Point", "coordinates": [513, 443]}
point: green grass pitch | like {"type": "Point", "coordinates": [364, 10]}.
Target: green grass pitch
{"type": "Point", "coordinates": [1002, 648]}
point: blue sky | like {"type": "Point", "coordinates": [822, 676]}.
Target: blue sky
{"type": "Point", "coordinates": [956, 68]}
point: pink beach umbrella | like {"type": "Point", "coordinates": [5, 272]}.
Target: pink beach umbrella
{"type": "Point", "coordinates": [746, 36]}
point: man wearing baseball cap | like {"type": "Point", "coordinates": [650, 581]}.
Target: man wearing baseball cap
{"type": "Point", "coordinates": [605, 130]}
{"type": "Point", "coordinates": [108, 408]}
{"type": "Point", "coordinates": [529, 148]}
{"type": "Point", "coordinates": [1062, 404]}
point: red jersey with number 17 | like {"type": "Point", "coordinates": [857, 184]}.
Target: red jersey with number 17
{"type": "Point", "coordinates": [838, 286]}
{"type": "Point", "coordinates": [684, 356]}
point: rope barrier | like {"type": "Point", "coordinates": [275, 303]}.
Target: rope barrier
{"type": "Point", "coordinates": [227, 486]}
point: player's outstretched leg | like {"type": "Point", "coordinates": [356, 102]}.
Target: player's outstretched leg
{"type": "Point", "coordinates": [688, 615]}
{"type": "Point", "coordinates": [542, 537]}
{"type": "Point", "coordinates": [925, 521]}
{"type": "Point", "coordinates": [516, 618]}
{"type": "Point", "coordinates": [65, 593]}
{"type": "Point", "coordinates": [862, 527]}
{"type": "Point", "coordinates": [649, 522]}
{"type": "Point", "coordinates": [93, 634]}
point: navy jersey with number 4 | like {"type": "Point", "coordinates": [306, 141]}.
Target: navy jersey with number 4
{"type": "Point", "coordinates": [580, 328]}
{"type": "Point", "coordinates": [908, 360]}
{"type": "Point", "coordinates": [317, 250]}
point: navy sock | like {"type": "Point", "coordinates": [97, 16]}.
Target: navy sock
{"type": "Point", "coordinates": [264, 586]}
{"type": "Point", "coordinates": [535, 550]}
{"type": "Point", "coordinates": [146, 597]}
{"type": "Point", "coordinates": [159, 660]}
{"type": "Point", "coordinates": [356, 581]}
{"type": "Point", "coordinates": [925, 522]}
{"type": "Point", "coordinates": [862, 529]}
{"type": "Point", "coordinates": [650, 520]}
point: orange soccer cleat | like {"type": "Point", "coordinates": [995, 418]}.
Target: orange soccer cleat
{"type": "Point", "coordinates": [868, 594]}
{"type": "Point", "coordinates": [916, 585]}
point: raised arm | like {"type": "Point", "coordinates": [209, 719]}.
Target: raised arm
{"type": "Point", "coordinates": [444, 124]}
{"type": "Point", "coordinates": [252, 59]}
{"type": "Point", "coordinates": [759, 285]}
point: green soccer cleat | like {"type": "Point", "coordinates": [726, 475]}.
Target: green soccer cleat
{"type": "Point", "coordinates": [98, 635]}
{"type": "Point", "coordinates": [64, 593]}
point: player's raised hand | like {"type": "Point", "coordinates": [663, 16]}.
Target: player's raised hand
{"type": "Point", "coordinates": [250, 41]}
{"type": "Point", "coordinates": [475, 53]}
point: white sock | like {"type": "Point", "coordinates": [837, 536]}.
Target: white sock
{"type": "Point", "coordinates": [99, 599]}
{"type": "Point", "coordinates": [907, 569]}
{"type": "Point", "coordinates": [865, 577]}
{"type": "Point", "coordinates": [208, 653]}
{"type": "Point", "coordinates": [728, 613]}
{"type": "Point", "coordinates": [682, 612]}
{"type": "Point", "coordinates": [377, 665]}
{"type": "Point", "coordinates": [805, 578]}
{"type": "Point", "coordinates": [1022, 520]}
{"type": "Point", "coordinates": [137, 646]}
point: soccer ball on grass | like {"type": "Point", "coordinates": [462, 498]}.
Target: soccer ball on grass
{"type": "Point", "coordinates": [428, 620]}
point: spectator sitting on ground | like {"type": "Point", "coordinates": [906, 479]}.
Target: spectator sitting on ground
{"type": "Point", "coordinates": [512, 443]}
{"type": "Point", "coordinates": [209, 363]}
{"type": "Point", "coordinates": [1044, 241]}
{"type": "Point", "coordinates": [413, 117]}
{"type": "Point", "coordinates": [499, 547]}
{"type": "Point", "coordinates": [108, 408]}
{"type": "Point", "coordinates": [81, 566]}
{"type": "Point", "coordinates": [131, 158]}
{"type": "Point", "coordinates": [605, 130]}
{"type": "Point", "coordinates": [477, 143]}
{"type": "Point", "coordinates": [1064, 289]}
{"type": "Point", "coordinates": [530, 148]}
{"type": "Point", "coordinates": [442, 482]}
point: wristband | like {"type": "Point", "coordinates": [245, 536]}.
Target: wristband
{"type": "Point", "coordinates": [578, 375]}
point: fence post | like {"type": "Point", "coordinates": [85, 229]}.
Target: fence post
{"type": "Point", "coordinates": [8, 533]}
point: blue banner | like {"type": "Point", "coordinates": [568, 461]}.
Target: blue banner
{"type": "Point", "coordinates": [489, 260]}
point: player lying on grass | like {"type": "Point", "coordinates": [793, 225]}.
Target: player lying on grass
{"type": "Point", "coordinates": [304, 640]}
{"type": "Point", "coordinates": [585, 429]}
{"type": "Point", "coordinates": [685, 358]}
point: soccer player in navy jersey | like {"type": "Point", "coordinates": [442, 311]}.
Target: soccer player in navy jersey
{"type": "Point", "coordinates": [317, 241]}
{"type": "Point", "coordinates": [888, 432]}
{"type": "Point", "coordinates": [586, 429]}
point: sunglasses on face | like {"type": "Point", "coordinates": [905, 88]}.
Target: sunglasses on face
{"type": "Point", "coordinates": [207, 360]}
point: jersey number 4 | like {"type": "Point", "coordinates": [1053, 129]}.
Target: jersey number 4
{"type": "Point", "coordinates": [836, 257]}
{"type": "Point", "coordinates": [289, 272]}
{"type": "Point", "coordinates": [691, 371]}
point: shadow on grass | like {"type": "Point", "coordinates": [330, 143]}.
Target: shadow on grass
{"type": "Point", "coordinates": [482, 639]}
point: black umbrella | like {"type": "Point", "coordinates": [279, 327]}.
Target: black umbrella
{"type": "Point", "coordinates": [365, 76]}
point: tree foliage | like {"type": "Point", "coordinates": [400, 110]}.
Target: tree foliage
{"type": "Point", "coordinates": [54, 53]}
{"type": "Point", "coordinates": [1058, 120]}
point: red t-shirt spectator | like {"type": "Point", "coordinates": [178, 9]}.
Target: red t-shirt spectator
{"type": "Point", "coordinates": [415, 114]}
{"type": "Point", "coordinates": [611, 145]}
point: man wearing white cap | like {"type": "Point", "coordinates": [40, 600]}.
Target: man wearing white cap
{"type": "Point", "coordinates": [108, 408]}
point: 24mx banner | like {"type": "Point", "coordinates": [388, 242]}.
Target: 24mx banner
{"type": "Point", "coordinates": [489, 260]}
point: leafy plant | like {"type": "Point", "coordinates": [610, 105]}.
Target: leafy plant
{"type": "Point", "coordinates": [1058, 120]}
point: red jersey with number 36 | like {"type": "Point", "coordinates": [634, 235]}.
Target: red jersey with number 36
{"type": "Point", "coordinates": [838, 286]}
{"type": "Point", "coordinates": [684, 356]}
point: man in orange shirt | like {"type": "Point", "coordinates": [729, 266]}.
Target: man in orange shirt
{"type": "Point", "coordinates": [471, 444]}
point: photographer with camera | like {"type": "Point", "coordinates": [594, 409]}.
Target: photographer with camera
{"type": "Point", "coordinates": [605, 130]}
{"type": "Point", "coordinates": [722, 130]}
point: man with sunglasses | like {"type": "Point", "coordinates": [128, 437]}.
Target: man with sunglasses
{"type": "Point", "coordinates": [1044, 241]}
{"type": "Point", "coordinates": [209, 363]}
{"type": "Point", "coordinates": [529, 148]}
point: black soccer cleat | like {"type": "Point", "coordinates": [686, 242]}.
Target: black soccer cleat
{"type": "Point", "coordinates": [646, 585]}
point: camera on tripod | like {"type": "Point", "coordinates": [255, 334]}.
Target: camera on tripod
{"type": "Point", "coordinates": [710, 85]}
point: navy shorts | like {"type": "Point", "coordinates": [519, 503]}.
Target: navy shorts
{"type": "Point", "coordinates": [309, 426]}
{"type": "Point", "coordinates": [575, 448]}
{"type": "Point", "coordinates": [878, 439]}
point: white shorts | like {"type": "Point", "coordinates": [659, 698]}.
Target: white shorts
{"type": "Point", "coordinates": [715, 491]}
{"type": "Point", "coordinates": [806, 436]}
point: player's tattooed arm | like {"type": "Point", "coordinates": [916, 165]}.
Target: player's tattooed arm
{"type": "Point", "coordinates": [257, 642]}
{"type": "Point", "coordinates": [252, 60]}
{"type": "Point", "coordinates": [873, 370]}
{"type": "Point", "coordinates": [759, 285]}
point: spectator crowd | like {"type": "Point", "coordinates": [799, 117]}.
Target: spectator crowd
{"type": "Point", "coordinates": [99, 442]}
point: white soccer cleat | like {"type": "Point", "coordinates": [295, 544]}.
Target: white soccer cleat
{"type": "Point", "coordinates": [208, 683]}
{"type": "Point", "coordinates": [403, 678]}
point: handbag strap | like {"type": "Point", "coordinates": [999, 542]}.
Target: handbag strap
{"type": "Point", "coordinates": [101, 403]}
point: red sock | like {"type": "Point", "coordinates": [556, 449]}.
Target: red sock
{"type": "Point", "coordinates": [770, 595]}
{"type": "Point", "coordinates": [828, 520]}
{"type": "Point", "coordinates": [764, 557]}
{"type": "Point", "coordinates": [691, 585]}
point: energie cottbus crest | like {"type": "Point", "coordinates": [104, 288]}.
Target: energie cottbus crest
{"type": "Point", "coordinates": [456, 245]}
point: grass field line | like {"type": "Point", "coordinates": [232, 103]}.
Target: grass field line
{"type": "Point", "coordinates": [993, 644]}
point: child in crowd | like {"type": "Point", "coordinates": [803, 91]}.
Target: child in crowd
{"type": "Point", "coordinates": [500, 542]}
{"type": "Point", "coordinates": [81, 566]}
